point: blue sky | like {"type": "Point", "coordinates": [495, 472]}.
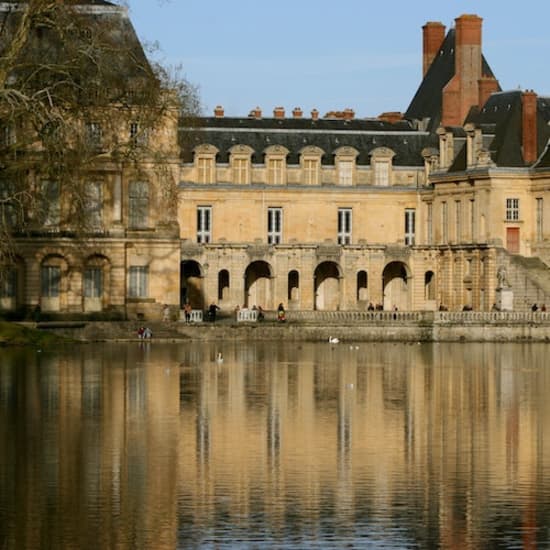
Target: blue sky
{"type": "Point", "coordinates": [332, 54]}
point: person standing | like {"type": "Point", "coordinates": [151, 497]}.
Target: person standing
{"type": "Point", "coordinates": [281, 315]}
{"type": "Point", "coordinates": [212, 311]}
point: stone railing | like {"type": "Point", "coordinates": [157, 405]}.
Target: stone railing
{"type": "Point", "coordinates": [428, 317]}
{"type": "Point", "coordinates": [196, 316]}
{"type": "Point", "coordinates": [247, 315]}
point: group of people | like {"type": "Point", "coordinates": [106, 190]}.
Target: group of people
{"type": "Point", "coordinates": [535, 307]}
{"type": "Point", "coordinates": [144, 333]}
{"type": "Point", "coordinates": [377, 307]}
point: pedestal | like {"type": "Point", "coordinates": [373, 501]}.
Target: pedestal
{"type": "Point", "coordinates": [505, 299]}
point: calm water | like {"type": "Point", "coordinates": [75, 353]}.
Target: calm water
{"type": "Point", "coordinates": [280, 446]}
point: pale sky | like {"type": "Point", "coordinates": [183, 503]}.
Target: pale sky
{"type": "Point", "coordinates": [332, 54]}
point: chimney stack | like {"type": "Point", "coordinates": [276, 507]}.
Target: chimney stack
{"type": "Point", "coordinates": [487, 86]}
{"type": "Point", "coordinates": [279, 112]}
{"type": "Point", "coordinates": [349, 114]}
{"type": "Point", "coordinates": [218, 111]}
{"type": "Point", "coordinates": [297, 112]}
{"type": "Point", "coordinates": [529, 126]}
{"type": "Point", "coordinates": [256, 113]}
{"type": "Point", "coordinates": [462, 92]}
{"type": "Point", "coordinates": [314, 114]}
{"type": "Point", "coordinates": [433, 34]}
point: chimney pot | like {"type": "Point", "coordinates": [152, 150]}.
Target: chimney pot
{"type": "Point", "coordinates": [315, 114]}
{"type": "Point", "coordinates": [218, 111]}
{"type": "Point", "coordinates": [297, 112]}
{"type": "Point", "coordinates": [279, 112]}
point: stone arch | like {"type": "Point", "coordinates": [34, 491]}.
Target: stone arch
{"type": "Point", "coordinates": [395, 286]}
{"type": "Point", "coordinates": [96, 283]}
{"type": "Point", "coordinates": [362, 287]}
{"type": "Point", "coordinates": [326, 279]}
{"type": "Point", "coordinates": [191, 284]}
{"type": "Point", "coordinates": [258, 290]}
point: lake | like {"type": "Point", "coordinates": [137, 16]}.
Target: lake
{"type": "Point", "coordinates": [293, 445]}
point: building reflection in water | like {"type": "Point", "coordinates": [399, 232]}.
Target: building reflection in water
{"type": "Point", "coordinates": [152, 446]}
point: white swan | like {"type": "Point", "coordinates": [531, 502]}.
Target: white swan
{"type": "Point", "coordinates": [219, 357]}
{"type": "Point", "coordinates": [333, 340]}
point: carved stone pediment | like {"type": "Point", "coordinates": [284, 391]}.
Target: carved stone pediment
{"type": "Point", "coordinates": [382, 153]}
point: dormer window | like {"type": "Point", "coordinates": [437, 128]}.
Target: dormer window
{"type": "Point", "coordinates": [275, 160]}
{"type": "Point", "coordinates": [345, 159]}
{"type": "Point", "coordinates": [240, 164]}
{"type": "Point", "coordinates": [205, 163]}
{"type": "Point", "coordinates": [311, 165]}
{"type": "Point", "coordinates": [381, 165]}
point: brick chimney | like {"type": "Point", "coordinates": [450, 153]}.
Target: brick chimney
{"type": "Point", "coordinates": [297, 112]}
{"type": "Point", "coordinates": [314, 114]}
{"type": "Point", "coordinates": [218, 111]}
{"type": "Point", "coordinates": [279, 112]}
{"type": "Point", "coordinates": [391, 116]}
{"type": "Point", "coordinates": [529, 126]}
{"type": "Point", "coordinates": [462, 91]}
{"type": "Point", "coordinates": [433, 34]}
{"type": "Point", "coordinates": [256, 113]}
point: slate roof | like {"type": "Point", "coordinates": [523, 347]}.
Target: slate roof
{"type": "Point", "coordinates": [295, 134]}
{"type": "Point", "coordinates": [120, 61]}
{"type": "Point", "coordinates": [428, 100]}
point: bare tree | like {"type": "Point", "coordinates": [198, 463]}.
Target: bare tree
{"type": "Point", "coordinates": [76, 91]}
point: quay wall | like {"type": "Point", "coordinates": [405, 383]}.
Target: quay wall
{"type": "Point", "coordinates": [346, 326]}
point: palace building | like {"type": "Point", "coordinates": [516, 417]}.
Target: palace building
{"type": "Point", "coordinates": [412, 210]}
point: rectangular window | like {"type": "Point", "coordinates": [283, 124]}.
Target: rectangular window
{"type": "Point", "coordinates": [138, 282]}
{"type": "Point", "coordinates": [8, 202]}
{"type": "Point", "coordinates": [345, 172]}
{"type": "Point", "coordinates": [7, 134]}
{"type": "Point", "coordinates": [94, 204]}
{"type": "Point", "coordinates": [458, 221]}
{"type": "Point", "coordinates": [93, 282]}
{"type": "Point", "coordinates": [512, 210]}
{"type": "Point", "coordinates": [410, 222]}
{"type": "Point", "coordinates": [240, 171]}
{"type": "Point", "coordinates": [50, 279]}
{"type": "Point", "coordinates": [204, 224]}
{"type": "Point", "coordinates": [274, 225]}
{"type": "Point", "coordinates": [344, 225]}
{"type": "Point", "coordinates": [94, 134]}
{"type": "Point", "coordinates": [540, 219]}
{"type": "Point", "coordinates": [382, 173]}
{"type": "Point", "coordinates": [138, 134]}
{"type": "Point", "coordinates": [429, 221]}
{"type": "Point", "coordinates": [8, 284]}
{"type": "Point", "coordinates": [311, 171]}
{"type": "Point", "coordinates": [275, 171]}
{"type": "Point", "coordinates": [205, 167]}
{"type": "Point", "coordinates": [138, 204]}
{"type": "Point", "coordinates": [444, 226]}
{"type": "Point", "coordinates": [51, 213]}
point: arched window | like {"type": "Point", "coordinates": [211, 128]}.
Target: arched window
{"type": "Point", "coordinates": [293, 285]}
{"type": "Point", "coordinates": [362, 286]}
{"type": "Point", "coordinates": [429, 285]}
{"type": "Point", "coordinates": [223, 284]}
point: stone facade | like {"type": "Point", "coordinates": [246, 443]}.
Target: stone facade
{"type": "Point", "coordinates": [408, 212]}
